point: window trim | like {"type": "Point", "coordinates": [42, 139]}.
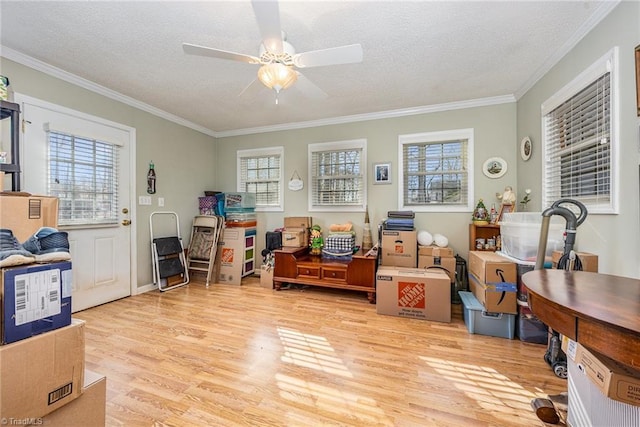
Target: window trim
{"type": "Point", "coordinates": [360, 143]}
{"type": "Point", "coordinates": [608, 63]}
{"type": "Point", "coordinates": [435, 137]}
{"type": "Point", "coordinates": [261, 152]}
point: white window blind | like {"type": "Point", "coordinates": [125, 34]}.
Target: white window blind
{"type": "Point", "coordinates": [337, 176]}
{"type": "Point", "coordinates": [579, 146]}
{"type": "Point", "coordinates": [260, 172]}
{"type": "Point", "coordinates": [435, 171]}
{"type": "Point", "coordinates": [83, 174]}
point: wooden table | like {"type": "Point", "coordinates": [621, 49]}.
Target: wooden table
{"type": "Point", "coordinates": [600, 311]}
{"type": "Point", "coordinates": [295, 265]}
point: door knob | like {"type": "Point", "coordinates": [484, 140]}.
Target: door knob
{"type": "Point", "coordinates": [126, 222]}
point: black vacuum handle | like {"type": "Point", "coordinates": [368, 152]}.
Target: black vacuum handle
{"type": "Point", "coordinates": [582, 208]}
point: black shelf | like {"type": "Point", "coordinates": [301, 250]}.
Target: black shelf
{"type": "Point", "coordinates": [10, 110]}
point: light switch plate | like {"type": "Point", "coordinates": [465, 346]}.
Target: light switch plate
{"type": "Point", "coordinates": [144, 200]}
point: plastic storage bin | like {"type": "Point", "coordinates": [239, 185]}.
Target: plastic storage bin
{"type": "Point", "coordinates": [482, 322]}
{"type": "Point", "coordinates": [520, 233]}
{"type": "Point", "coordinates": [239, 202]}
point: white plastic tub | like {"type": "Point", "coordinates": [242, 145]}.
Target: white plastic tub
{"type": "Point", "coordinates": [520, 234]}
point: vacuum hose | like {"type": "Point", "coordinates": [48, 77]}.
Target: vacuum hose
{"type": "Point", "coordinates": [573, 222]}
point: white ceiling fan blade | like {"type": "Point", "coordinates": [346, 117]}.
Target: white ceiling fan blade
{"type": "Point", "coordinates": [268, 17]}
{"type": "Point", "coordinates": [308, 88]}
{"type": "Point", "coordinates": [194, 49]}
{"type": "Point", "coordinates": [348, 54]}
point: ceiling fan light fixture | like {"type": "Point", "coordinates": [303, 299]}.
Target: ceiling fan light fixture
{"type": "Point", "coordinates": [277, 76]}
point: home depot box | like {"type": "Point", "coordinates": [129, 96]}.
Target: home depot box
{"type": "Point", "coordinates": [489, 267]}
{"type": "Point", "coordinates": [24, 215]}
{"type": "Point", "coordinates": [35, 298]}
{"type": "Point", "coordinates": [232, 255]}
{"type": "Point", "coordinates": [495, 297]}
{"type": "Point", "coordinates": [42, 373]}
{"type": "Point", "coordinates": [87, 410]}
{"type": "Point", "coordinates": [436, 257]}
{"type": "Point", "coordinates": [414, 293]}
{"type": "Point", "coordinates": [295, 237]}
{"type": "Point", "coordinates": [589, 261]}
{"type": "Point", "coordinates": [615, 380]}
{"type": "Point", "coordinates": [399, 248]}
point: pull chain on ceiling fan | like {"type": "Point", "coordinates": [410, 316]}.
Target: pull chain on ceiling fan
{"type": "Point", "coordinates": [278, 60]}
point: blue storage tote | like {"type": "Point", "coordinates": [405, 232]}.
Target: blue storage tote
{"type": "Point", "coordinates": [482, 322]}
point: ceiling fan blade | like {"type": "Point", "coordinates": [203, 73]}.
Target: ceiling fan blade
{"type": "Point", "coordinates": [193, 49]}
{"type": "Point", "coordinates": [348, 54]}
{"type": "Point", "coordinates": [252, 89]}
{"type": "Point", "coordinates": [268, 17]}
{"type": "Point", "coordinates": [308, 88]}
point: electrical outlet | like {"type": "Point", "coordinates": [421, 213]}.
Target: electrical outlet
{"type": "Point", "coordinates": [161, 201]}
{"type": "Point", "coordinates": [144, 200]}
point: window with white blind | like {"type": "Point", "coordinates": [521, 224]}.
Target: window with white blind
{"type": "Point", "coordinates": [580, 141]}
{"type": "Point", "coordinates": [337, 176]}
{"type": "Point", "coordinates": [260, 172]}
{"type": "Point", "coordinates": [436, 171]}
{"type": "Point", "coordinates": [83, 174]}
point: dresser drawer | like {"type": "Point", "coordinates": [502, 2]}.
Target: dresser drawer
{"type": "Point", "coordinates": [308, 272]}
{"type": "Point", "coordinates": [337, 274]}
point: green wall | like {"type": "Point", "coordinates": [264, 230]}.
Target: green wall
{"type": "Point", "coordinates": [614, 238]}
{"type": "Point", "coordinates": [494, 127]}
{"type": "Point", "coordinates": [184, 159]}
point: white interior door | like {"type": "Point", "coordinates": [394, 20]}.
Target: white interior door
{"type": "Point", "coordinates": [101, 253]}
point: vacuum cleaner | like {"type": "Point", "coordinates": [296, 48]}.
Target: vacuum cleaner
{"type": "Point", "coordinates": [554, 356]}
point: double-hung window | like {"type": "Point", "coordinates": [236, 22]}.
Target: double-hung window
{"type": "Point", "coordinates": [337, 176]}
{"type": "Point", "coordinates": [580, 139]}
{"type": "Point", "coordinates": [436, 171]}
{"type": "Point", "coordinates": [260, 172]}
{"type": "Point", "coordinates": [83, 175]}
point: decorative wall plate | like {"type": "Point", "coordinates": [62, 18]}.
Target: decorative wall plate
{"type": "Point", "coordinates": [525, 148]}
{"type": "Point", "coordinates": [494, 167]}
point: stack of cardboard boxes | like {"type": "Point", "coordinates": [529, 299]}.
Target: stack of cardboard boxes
{"type": "Point", "coordinates": [42, 355]}
{"type": "Point", "coordinates": [490, 308]}
{"type": "Point", "coordinates": [406, 291]}
{"type": "Point", "coordinates": [296, 231]}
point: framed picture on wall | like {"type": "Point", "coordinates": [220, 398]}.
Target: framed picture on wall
{"type": "Point", "coordinates": [382, 173]}
{"type": "Point", "coordinates": [505, 208]}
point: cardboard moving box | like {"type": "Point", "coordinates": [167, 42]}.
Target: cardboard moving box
{"type": "Point", "coordinates": [35, 298]}
{"type": "Point", "coordinates": [232, 256]}
{"type": "Point", "coordinates": [489, 267]}
{"type": "Point", "coordinates": [399, 248]}
{"type": "Point", "coordinates": [266, 276]}
{"type": "Point", "coordinates": [589, 261]}
{"type": "Point", "coordinates": [436, 257]}
{"type": "Point", "coordinates": [495, 297]}
{"type": "Point", "coordinates": [613, 379]}
{"type": "Point", "coordinates": [295, 237]}
{"type": "Point", "coordinates": [414, 293]}
{"type": "Point", "coordinates": [87, 410]}
{"type": "Point", "coordinates": [42, 373]}
{"type": "Point", "coordinates": [24, 215]}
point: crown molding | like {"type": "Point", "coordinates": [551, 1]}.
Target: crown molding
{"type": "Point", "coordinates": [43, 67]}
{"type": "Point", "coordinates": [480, 102]}
{"type": "Point", "coordinates": [56, 72]}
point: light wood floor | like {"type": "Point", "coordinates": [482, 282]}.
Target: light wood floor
{"type": "Point", "coordinates": [249, 356]}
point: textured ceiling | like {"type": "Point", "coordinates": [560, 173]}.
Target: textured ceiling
{"type": "Point", "coordinates": [416, 53]}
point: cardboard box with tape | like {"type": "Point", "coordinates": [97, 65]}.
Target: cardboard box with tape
{"type": "Point", "coordinates": [399, 248]}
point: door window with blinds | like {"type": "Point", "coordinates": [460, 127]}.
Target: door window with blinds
{"type": "Point", "coordinates": [436, 171]}
{"type": "Point", "coordinates": [337, 176]}
{"type": "Point", "coordinates": [83, 174]}
{"type": "Point", "coordinates": [260, 172]}
{"type": "Point", "coordinates": [580, 144]}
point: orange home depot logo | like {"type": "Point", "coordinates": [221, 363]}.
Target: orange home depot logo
{"type": "Point", "coordinates": [399, 249]}
{"type": "Point", "coordinates": [227, 255]}
{"type": "Point", "coordinates": [411, 294]}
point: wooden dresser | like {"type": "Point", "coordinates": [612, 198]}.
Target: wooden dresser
{"type": "Point", "coordinates": [295, 265]}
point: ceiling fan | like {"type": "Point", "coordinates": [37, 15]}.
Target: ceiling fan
{"type": "Point", "coordinates": [278, 60]}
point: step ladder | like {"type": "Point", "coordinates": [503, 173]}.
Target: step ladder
{"type": "Point", "coordinates": [167, 254]}
{"type": "Point", "coordinates": [203, 246]}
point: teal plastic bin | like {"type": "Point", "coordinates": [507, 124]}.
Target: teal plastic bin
{"type": "Point", "coordinates": [479, 321]}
